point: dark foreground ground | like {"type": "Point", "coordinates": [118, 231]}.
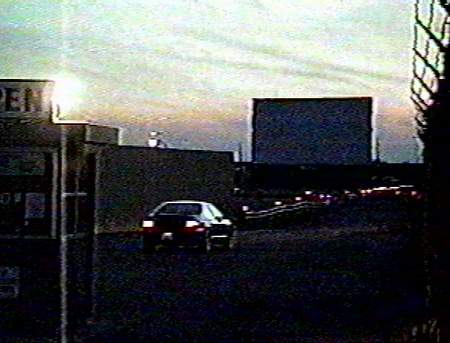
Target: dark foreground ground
{"type": "Point", "coordinates": [348, 276]}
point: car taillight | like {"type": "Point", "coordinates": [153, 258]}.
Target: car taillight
{"type": "Point", "coordinates": [200, 229]}
{"type": "Point", "coordinates": [193, 226]}
{"type": "Point", "coordinates": [148, 226]}
{"type": "Point", "coordinates": [148, 223]}
{"type": "Point", "coordinates": [191, 223]}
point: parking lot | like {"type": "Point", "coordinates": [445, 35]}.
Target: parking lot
{"type": "Point", "coordinates": [346, 277]}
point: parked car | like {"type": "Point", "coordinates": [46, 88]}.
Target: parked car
{"type": "Point", "coordinates": [410, 192]}
{"type": "Point", "coordinates": [350, 195]}
{"type": "Point", "coordinates": [385, 192]}
{"type": "Point", "coordinates": [187, 223]}
{"type": "Point", "coordinates": [318, 198]}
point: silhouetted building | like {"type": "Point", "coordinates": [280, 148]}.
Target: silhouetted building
{"type": "Point", "coordinates": [133, 180]}
{"type": "Point", "coordinates": [47, 197]}
{"type": "Point", "coordinates": [312, 131]}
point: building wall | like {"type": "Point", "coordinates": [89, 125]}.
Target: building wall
{"type": "Point", "coordinates": [30, 135]}
{"type": "Point", "coordinates": [133, 180]}
{"type": "Point", "coordinates": [44, 165]}
{"type": "Point", "coordinates": [312, 131]}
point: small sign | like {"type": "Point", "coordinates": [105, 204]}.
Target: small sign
{"type": "Point", "coordinates": [26, 98]}
{"type": "Point", "coordinates": [34, 205]}
{"type": "Point", "coordinates": [30, 163]}
{"type": "Point", "coordinates": [9, 282]}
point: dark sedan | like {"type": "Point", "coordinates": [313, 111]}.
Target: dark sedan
{"type": "Point", "coordinates": [187, 223]}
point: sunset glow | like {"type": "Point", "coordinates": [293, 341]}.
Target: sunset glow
{"type": "Point", "coordinates": [198, 63]}
{"type": "Point", "coordinates": [67, 94]}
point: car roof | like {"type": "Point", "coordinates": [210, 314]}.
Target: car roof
{"type": "Point", "coordinates": [186, 202]}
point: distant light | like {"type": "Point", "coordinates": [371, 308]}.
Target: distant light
{"type": "Point", "coordinates": [278, 203]}
{"type": "Point", "coordinates": [153, 143]}
{"type": "Point", "coordinates": [154, 140]}
{"type": "Point", "coordinates": [67, 92]}
{"type": "Point", "coordinates": [298, 198]}
{"type": "Point", "coordinates": [245, 208]}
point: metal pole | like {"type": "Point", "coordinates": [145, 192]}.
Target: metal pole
{"type": "Point", "coordinates": [63, 233]}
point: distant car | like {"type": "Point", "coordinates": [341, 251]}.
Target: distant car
{"type": "Point", "coordinates": [410, 192]}
{"type": "Point", "coordinates": [350, 195]}
{"type": "Point", "coordinates": [382, 192]}
{"type": "Point", "coordinates": [315, 197]}
{"type": "Point", "coordinates": [187, 223]}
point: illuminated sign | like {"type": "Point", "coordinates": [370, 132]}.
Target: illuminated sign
{"type": "Point", "coordinates": [26, 99]}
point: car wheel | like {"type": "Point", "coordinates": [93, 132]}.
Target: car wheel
{"type": "Point", "coordinates": [206, 246]}
{"type": "Point", "coordinates": [231, 241]}
{"type": "Point", "coordinates": [148, 247]}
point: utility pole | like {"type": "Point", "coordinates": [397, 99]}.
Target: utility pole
{"type": "Point", "coordinates": [377, 151]}
{"type": "Point", "coordinates": [239, 152]}
{"type": "Point", "coordinates": [416, 155]}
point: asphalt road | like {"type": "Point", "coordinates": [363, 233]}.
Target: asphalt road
{"type": "Point", "coordinates": [346, 277]}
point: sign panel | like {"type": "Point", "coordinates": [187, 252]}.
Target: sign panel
{"type": "Point", "coordinates": [312, 131]}
{"type": "Point", "coordinates": [9, 282]}
{"type": "Point", "coordinates": [32, 163]}
{"type": "Point", "coordinates": [26, 99]}
{"type": "Point", "coordinates": [34, 205]}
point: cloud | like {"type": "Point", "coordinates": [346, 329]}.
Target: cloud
{"type": "Point", "coordinates": [286, 55]}
{"type": "Point", "coordinates": [199, 62]}
{"type": "Point", "coordinates": [216, 61]}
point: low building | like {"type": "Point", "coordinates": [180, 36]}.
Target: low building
{"type": "Point", "coordinates": [64, 181]}
{"type": "Point", "coordinates": [133, 180]}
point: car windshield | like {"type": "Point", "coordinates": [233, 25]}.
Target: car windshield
{"type": "Point", "coordinates": [180, 208]}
